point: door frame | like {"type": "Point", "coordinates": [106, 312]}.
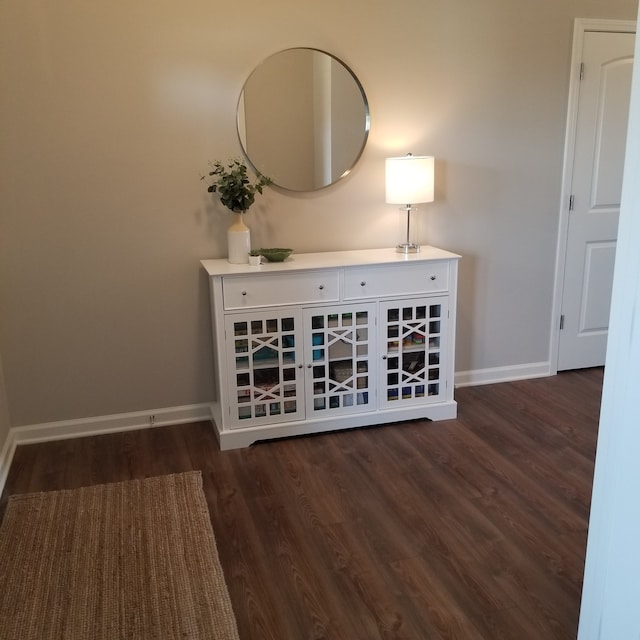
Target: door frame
{"type": "Point", "coordinates": [580, 27]}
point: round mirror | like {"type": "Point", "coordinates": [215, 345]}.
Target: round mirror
{"type": "Point", "coordinates": [303, 119]}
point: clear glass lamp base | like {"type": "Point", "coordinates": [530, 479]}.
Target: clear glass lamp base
{"type": "Point", "coordinates": [410, 234]}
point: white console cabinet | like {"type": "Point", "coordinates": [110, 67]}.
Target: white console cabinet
{"type": "Point", "coordinates": [332, 340]}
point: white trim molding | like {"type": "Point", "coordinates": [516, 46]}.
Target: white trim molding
{"type": "Point", "coordinates": [65, 429]}
{"type": "Point", "coordinates": [609, 607]}
{"type": "Point", "coordinates": [6, 455]}
{"type": "Point", "coordinates": [502, 374]}
{"type": "Point", "coordinates": [82, 427]}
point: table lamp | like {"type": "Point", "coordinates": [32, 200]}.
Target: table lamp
{"type": "Point", "coordinates": [409, 181]}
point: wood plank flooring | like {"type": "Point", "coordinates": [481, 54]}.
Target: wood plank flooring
{"type": "Point", "coordinates": [472, 528]}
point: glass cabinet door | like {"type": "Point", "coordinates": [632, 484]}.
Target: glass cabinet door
{"type": "Point", "coordinates": [265, 365]}
{"type": "Point", "coordinates": [339, 359]}
{"type": "Point", "coordinates": [413, 336]}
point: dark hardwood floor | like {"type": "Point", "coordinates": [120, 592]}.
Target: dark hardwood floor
{"type": "Point", "coordinates": [469, 528]}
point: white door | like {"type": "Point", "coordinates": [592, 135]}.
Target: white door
{"type": "Point", "coordinates": [601, 132]}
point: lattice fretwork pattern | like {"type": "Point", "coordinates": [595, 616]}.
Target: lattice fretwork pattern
{"type": "Point", "coordinates": [413, 342]}
{"type": "Point", "coordinates": [266, 379]}
{"type": "Point", "coordinates": [340, 360]}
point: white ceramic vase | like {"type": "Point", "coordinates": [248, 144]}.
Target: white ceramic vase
{"type": "Point", "coordinates": [238, 240]}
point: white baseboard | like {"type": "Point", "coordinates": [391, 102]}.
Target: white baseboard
{"type": "Point", "coordinates": [110, 424]}
{"type": "Point", "coordinates": [194, 413]}
{"type": "Point", "coordinates": [6, 455]}
{"type": "Point", "coordinates": [502, 374]}
{"type": "Point", "coordinates": [65, 429]}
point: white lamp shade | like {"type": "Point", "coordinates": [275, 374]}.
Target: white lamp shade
{"type": "Point", "coordinates": [409, 179]}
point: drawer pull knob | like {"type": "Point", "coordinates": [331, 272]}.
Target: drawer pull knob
{"type": "Point", "coordinates": [384, 357]}
{"type": "Point", "coordinates": [321, 287]}
{"type": "Point", "coordinates": [432, 278]}
{"type": "Point", "coordinates": [244, 293]}
{"type": "Point", "coordinates": [363, 283]}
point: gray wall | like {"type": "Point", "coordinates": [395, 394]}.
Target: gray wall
{"type": "Point", "coordinates": [112, 110]}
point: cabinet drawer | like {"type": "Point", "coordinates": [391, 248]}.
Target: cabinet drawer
{"type": "Point", "coordinates": [396, 280]}
{"type": "Point", "coordinates": [273, 289]}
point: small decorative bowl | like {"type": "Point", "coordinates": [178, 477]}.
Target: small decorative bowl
{"type": "Point", "coordinates": [276, 254]}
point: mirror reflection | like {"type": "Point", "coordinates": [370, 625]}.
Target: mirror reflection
{"type": "Point", "coordinates": [303, 119]}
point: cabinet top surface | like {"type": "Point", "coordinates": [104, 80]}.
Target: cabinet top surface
{"type": "Point", "coordinates": [301, 261]}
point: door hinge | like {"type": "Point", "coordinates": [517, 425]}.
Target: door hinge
{"type": "Point", "coordinates": [572, 200]}
{"type": "Point", "coordinates": [561, 322]}
{"type": "Point", "coordinates": [582, 71]}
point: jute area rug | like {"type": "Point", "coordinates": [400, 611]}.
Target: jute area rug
{"type": "Point", "coordinates": [134, 560]}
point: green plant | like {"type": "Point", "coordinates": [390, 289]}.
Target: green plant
{"type": "Point", "coordinates": [232, 184]}
{"type": "Point", "coordinates": [254, 252]}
